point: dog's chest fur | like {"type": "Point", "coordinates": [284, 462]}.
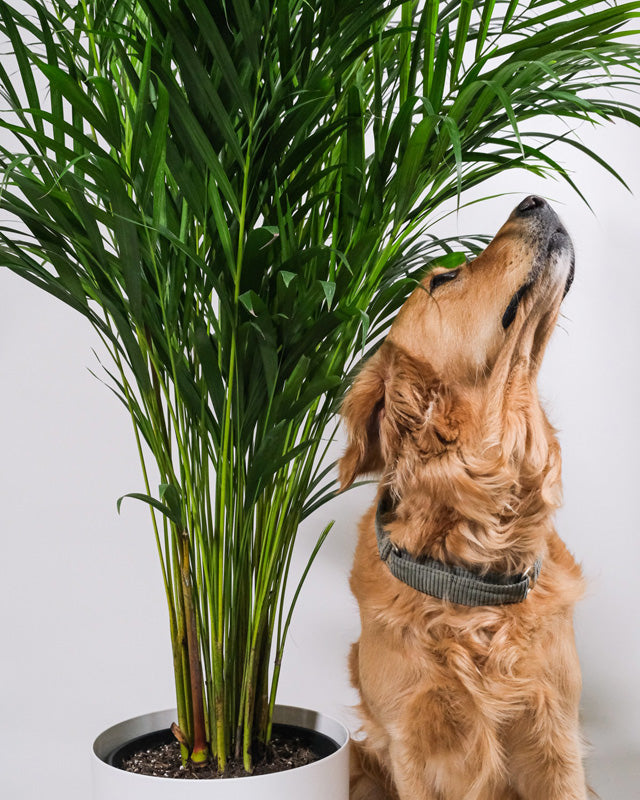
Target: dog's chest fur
{"type": "Point", "coordinates": [449, 671]}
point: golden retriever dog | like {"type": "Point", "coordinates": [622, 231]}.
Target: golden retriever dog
{"type": "Point", "coordinates": [469, 690]}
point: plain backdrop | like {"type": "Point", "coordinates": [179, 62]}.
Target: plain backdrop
{"type": "Point", "coordinates": [83, 628]}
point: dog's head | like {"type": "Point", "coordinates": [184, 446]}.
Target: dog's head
{"type": "Point", "coordinates": [462, 357]}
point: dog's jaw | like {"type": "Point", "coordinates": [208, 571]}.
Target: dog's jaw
{"type": "Point", "coordinates": [558, 258]}
{"type": "Point", "coordinates": [552, 259]}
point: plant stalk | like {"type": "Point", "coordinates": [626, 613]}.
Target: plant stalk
{"type": "Point", "coordinates": [200, 748]}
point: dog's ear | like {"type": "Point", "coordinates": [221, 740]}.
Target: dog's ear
{"type": "Point", "coordinates": [395, 399]}
{"type": "Point", "coordinates": [444, 417]}
{"type": "Point", "coordinates": [362, 411]}
{"type": "Point", "coordinates": [420, 407]}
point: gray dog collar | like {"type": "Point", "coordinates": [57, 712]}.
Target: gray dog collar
{"type": "Point", "coordinates": [452, 583]}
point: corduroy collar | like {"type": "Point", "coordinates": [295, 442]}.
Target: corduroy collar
{"type": "Point", "coordinates": [452, 583]}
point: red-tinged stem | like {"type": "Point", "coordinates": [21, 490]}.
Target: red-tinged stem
{"type": "Point", "coordinates": [200, 751]}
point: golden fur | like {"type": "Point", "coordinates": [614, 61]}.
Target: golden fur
{"type": "Point", "coordinates": [462, 703]}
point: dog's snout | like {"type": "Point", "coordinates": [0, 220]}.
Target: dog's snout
{"type": "Point", "coordinates": [530, 205]}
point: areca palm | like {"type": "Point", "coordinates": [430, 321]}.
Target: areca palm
{"type": "Point", "coordinates": [237, 196]}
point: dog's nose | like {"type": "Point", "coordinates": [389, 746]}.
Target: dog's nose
{"type": "Point", "coordinates": [530, 205]}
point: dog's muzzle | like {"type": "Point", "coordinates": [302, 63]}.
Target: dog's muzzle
{"type": "Point", "coordinates": [553, 243]}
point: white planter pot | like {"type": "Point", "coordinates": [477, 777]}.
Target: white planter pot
{"type": "Point", "coordinates": [327, 779]}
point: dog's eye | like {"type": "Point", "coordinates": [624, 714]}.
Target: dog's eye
{"type": "Point", "coordinates": [442, 277]}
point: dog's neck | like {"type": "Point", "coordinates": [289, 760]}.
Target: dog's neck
{"type": "Point", "coordinates": [486, 500]}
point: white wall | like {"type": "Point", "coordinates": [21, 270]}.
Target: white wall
{"type": "Point", "coordinates": [82, 616]}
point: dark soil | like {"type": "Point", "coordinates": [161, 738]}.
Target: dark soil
{"type": "Point", "coordinates": [162, 760]}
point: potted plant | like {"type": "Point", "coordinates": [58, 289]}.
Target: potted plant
{"type": "Point", "coordinates": [235, 196]}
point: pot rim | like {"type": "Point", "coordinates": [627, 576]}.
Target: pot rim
{"type": "Point", "coordinates": [128, 729]}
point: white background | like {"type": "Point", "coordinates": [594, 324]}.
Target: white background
{"type": "Point", "coordinates": [83, 639]}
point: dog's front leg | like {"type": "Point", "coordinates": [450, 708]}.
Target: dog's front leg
{"type": "Point", "coordinates": [446, 750]}
{"type": "Point", "coordinates": [410, 777]}
{"type": "Point", "coordinates": [547, 764]}
{"type": "Point", "coordinates": [556, 777]}
{"type": "Point", "coordinates": [367, 780]}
